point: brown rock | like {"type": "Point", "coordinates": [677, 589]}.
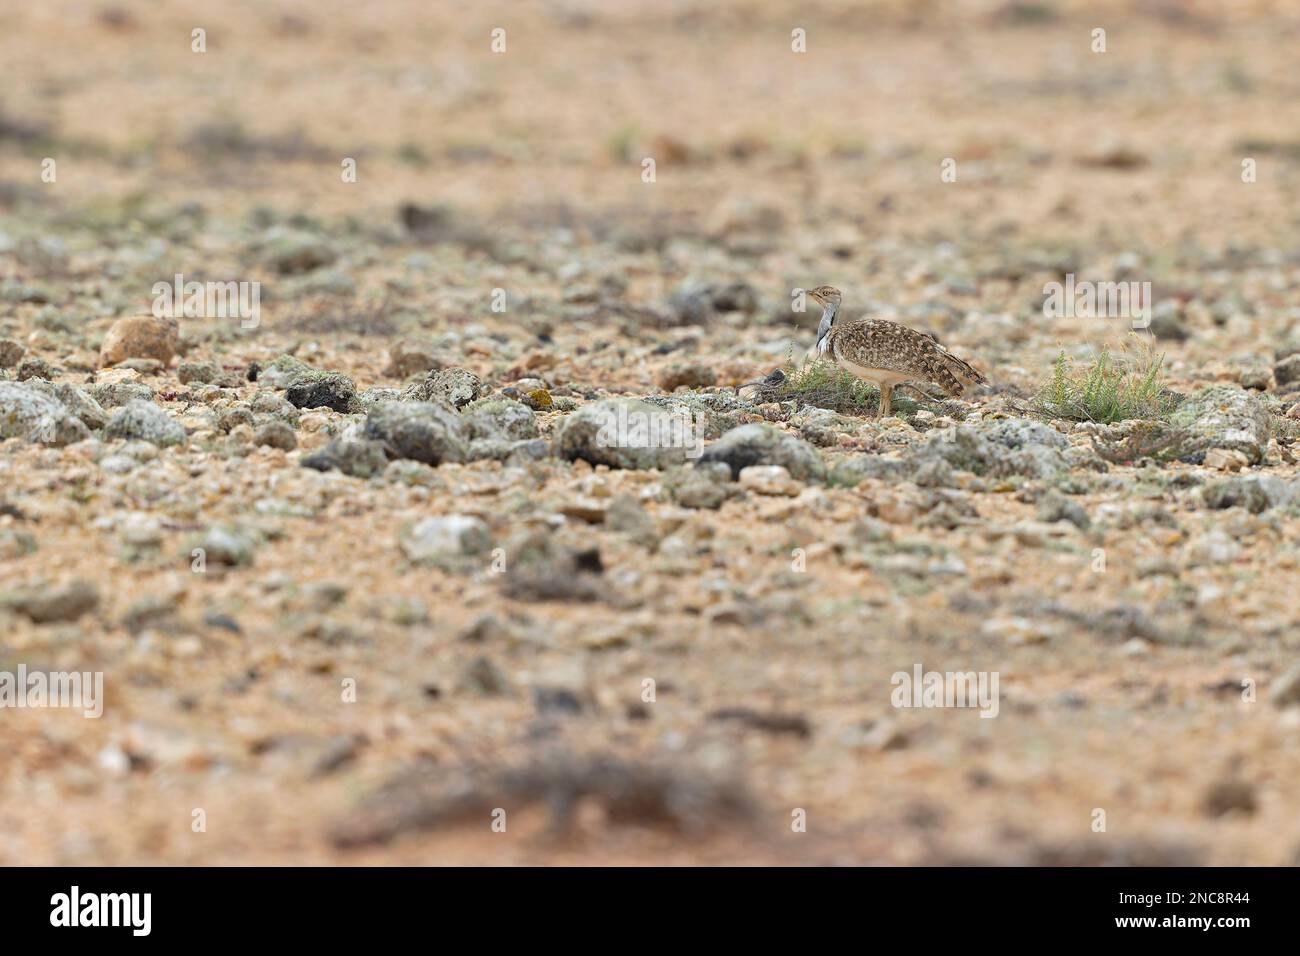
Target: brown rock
{"type": "Point", "coordinates": [1231, 795]}
{"type": "Point", "coordinates": [141, 336]}
{"type": "Point", "coordinates": [689, 374]}
{"type": "Point", "coordinates": [10, 353]}
{"type": "Point", "coordinates": [409, 358]}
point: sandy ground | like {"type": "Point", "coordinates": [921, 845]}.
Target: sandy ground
{"type": "Point", "coordinates": [771, 626]}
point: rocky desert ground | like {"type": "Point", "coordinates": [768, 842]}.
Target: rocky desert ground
{"type": "Point", "coordinates": [365, 578]}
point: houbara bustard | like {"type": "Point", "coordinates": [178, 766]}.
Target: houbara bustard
{"type": "Point", "coordinates": [886, 353]}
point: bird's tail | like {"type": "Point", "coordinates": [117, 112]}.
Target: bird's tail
{"type": "Point", "coordinates": [963, 373]}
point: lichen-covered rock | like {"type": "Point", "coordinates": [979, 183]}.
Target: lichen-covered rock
{"type": "Point", "coordinates": [28, 412]}
{"type": "Point", "coordinates": [308, 387]}
{"type": "Point", "coordinates": [293, 253]}
{"type": "Point", "coordinates": [283, 372]}
{"type": "Point", "coordinates": [1223, 416]}
{"type": "Point", "coordinates": [35, 367]}
{"type": "Point", "coordinates": [276, 434]}
{"type": "Point", "coordinates": [141, 337]}
{"type": "Point", "coordinates": [116, 394]}
{"type": "Point", "coordinates": [500, 417]}
{"type": "Point", "coordinates": [1287, 371]}
{"type": "Point", "coordinates": [530, 449]}
{"type": "Point", "coordinates": [357, 458]}
{"type": "Point", "coordinates": [1054, 506]}
{"type": "Point", "coordinates": [378, 395]}
{"type": "Point", "coordinates": [704, 487]}
{"type": "Point", "coordinates": [760, 444]}
{"type": "Point", "coordinates": [1012, 447]}
{"type": "Point", "coordinates": [713, 413]}
{"type": "Point", "coordinates": [1025, 433]}
{"type": "Point", "coordinates": [202, 373]}
{"type": "Point", "coordinates": [147, 422]}
{"type": "Point", "coordinates": [273, 405]}
{"type": "Point", "coordinates": [626, 433]}
{"type": "Point", "coordinates": [76, 400]}
{"type": "Point", "coordinates": [857, 468]}
{"type": "Point", "coordinates": [1255, 493]}
{"type": "Point", "coordinates": [456, 387]}
{"type": "Point", "coordinates": [332, 390]}
{"type": "Point", "coordinates": [422, 431]}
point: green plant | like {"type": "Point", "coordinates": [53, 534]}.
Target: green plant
{"type": "Point", "coordinates": [1112, 389]}
{"type": "Point", "coordinates": [827, 386]}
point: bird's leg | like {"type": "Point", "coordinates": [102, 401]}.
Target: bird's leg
{"type": "Point", "coordinates": [886, 399]}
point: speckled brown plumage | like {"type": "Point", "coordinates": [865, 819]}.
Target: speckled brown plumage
{"type": "Point", "coordinates": [888, 346]}
{"type": "Point", "coordinates": [887, 353]}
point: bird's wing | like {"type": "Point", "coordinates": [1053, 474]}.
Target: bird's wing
{"type": "Point", "coordinates": [878, 343]}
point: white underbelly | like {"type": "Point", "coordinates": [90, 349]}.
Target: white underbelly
{"type": "Point", "coordinates": [877, 376]}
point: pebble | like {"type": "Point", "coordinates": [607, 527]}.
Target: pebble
{"type": "Point", "coordinates": [140, 337]}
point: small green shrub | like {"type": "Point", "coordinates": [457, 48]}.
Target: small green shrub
{"type": "Point", "coordinates": [1112, 389]}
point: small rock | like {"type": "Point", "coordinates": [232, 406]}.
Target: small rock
{"type": "Point", "coordinates": [1212, 549]}
{"type": "Point", "coordinates": [1223, 417]}
{"type": "Point", "coordinates": [60, 605]}
{"type": "Point", "coordinates": [227, 547]}
{"type": "Point", "coordinates": [483, 677]}
{"type": "Point", "coordinates": [1256, 379]}
{"type": "Point", "coordinates": [500, 418]}
{"type": "Point", "coordinates": [145, 421]}
{"type": "Point", "coordinates": [15, 544]}
{"type": "Point", "coordinates": [201, 372]}
{"type": "Point", "coordinates": [539, 400]}
{"type": "Point", "coordinates": [699, 487]}
{"type": "Point", "coordinates": [625, 433]}
{"type": "Point", "coordinates": [1226, 459]}
{"type": "Point", "coordinates": [407, 358]}
{"type": "Point", "coordinates": [332, 390]}
{"type": "Point", "coordinates": [761, 444]}
{"type": "Point", "coordinates": [627, 515]}
{"type": "Point", "coordinates": [35, 367]}
{"type": "Point", "coordinates": [1285, 691]}
{"type": "Point", "coordinates": [556, 700]}
{"type": "Point", "coordinates": [1055, 506]}
{"type": "Point", "coordinates": [141, 336]}
{"type": "Point", "coordinates": [449, 536]}
{"type": "Point", "coordinates": [455, 387]}
{"type": "Point", "coordinates": [1287, 370]}
{"type": "Point", "coordinates": [769, 480]}
{"type": "Point", "coordinates": [1230, 796]}
{"type": "Point", "coordinates": [1255, 493]}
{"type": "Point", "coordinates": [276, 435]}
{"type": "Point", "coordinates": [885, 735]}
{"type": "Point", "coordinates": [11, 353]}
{"type": "Point", "coordinates": [356, 458]}
{"type": "Point", "coordinates": [293, 253]}
{"type": "Point", "coordinates": [27, 412]}
{"type": "Point", "coordinates": [688, 375]}
{"type": "Point", "coordinates": [422, 431]}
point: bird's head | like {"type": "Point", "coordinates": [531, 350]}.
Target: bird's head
{"type": "Point", "coordinates": [825, 294]}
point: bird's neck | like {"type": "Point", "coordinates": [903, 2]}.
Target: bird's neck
{"type": "Point", "coordinates": [828, 319]}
